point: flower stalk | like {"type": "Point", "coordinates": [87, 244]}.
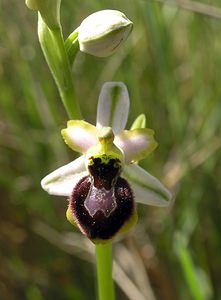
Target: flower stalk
{"type": "Point", "coordinates": [104, 272]}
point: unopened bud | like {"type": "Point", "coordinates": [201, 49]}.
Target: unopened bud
{"type": "Point", "coordinates": [101, 33]}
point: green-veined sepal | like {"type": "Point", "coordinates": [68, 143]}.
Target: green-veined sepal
{"type": "Point", "coordinates": [147, 189]}
{"type": "Point", "coordinates": [62, 181]}
{"type": "Point", "coordinates": [113, 106]}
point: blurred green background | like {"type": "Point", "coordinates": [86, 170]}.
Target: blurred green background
{"type": "Point", "coordinates": [172, 66]}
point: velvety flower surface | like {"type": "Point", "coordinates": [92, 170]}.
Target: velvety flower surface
{"type": "Point", "coordinates": [104, 183]}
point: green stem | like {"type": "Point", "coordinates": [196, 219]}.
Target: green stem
{"type": "Point", "coordinates": [66, 88]}
{"type": "Point", "coordinates": [104, 272]}
{"type": "Point", "coordinates": [53, 47]}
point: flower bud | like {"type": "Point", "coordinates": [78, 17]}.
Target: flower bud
{"type": "Point", "coordinates": [49, 10]}
{"type": "Point", "coordinates": [101, 33]}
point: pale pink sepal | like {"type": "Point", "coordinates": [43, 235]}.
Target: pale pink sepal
{"type": "Point", "coordinates": [62, 181]}
{"type": "Point", "coordinates": [147, 189]}
{"type": "Point", "coordinates": [113, 106]}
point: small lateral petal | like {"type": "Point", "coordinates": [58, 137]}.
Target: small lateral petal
{"type": "Point", "coordinates": [62, 181]}
{"type": "Point", "coordinates": [139, 122]}
{"type": "Point", "coordinates": [147, 189]}
{"type": "Point", "coordinates": [113, 106]}
{"type": "Point", "coordinates": [80, 135]}
{"type": "Point", "coordinates": [136, 144]}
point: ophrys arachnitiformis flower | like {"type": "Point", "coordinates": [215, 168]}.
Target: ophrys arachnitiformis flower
{"type": "Point", "coordinates": [104, 183]}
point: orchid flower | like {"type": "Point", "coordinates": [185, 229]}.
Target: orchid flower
{"type": "Point", "coordinates": [104, 184]}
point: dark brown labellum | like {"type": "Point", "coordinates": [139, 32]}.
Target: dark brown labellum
{"type": "Point", "coordinates": [101, 212]}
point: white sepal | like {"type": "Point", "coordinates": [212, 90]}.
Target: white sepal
{"type": "Point", "coordinates": [113, 106]}
{"type": "Point", "coordinates": [62, 181]}
{"type": "Point", "coordinates": [147, 189]}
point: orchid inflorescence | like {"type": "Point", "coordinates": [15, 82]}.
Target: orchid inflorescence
{"type": "Point", "coordinates": [105, 182]}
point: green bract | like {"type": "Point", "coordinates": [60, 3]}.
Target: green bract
{"type": "Point", "coordinates": [101, 33]}
{"type": "Point", "coordinates": [103, 183]}
{"type": "Point", "coordinates": [49, 10]}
